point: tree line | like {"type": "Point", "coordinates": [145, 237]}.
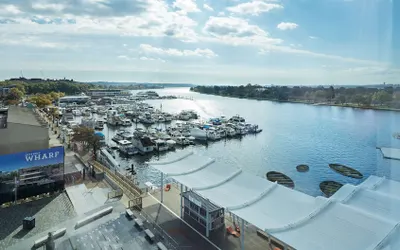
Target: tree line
{"type": "Point", "coordinates": [40, 91]}
{"type": "Point", "coordinates": [388, 96]}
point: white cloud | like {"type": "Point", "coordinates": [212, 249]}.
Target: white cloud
{"type": "Point", "coordinates": [125, 45]}
{"type": "Point", "coordinates": [287, 26]}
{"type": "Point", "coordinates": [9, 9]}
{"type": "Point", "coordinates": [148, 49]}
{"type": "Point", "coordinates": [145, 58]}
{"type": "Point", "coordinates": [207, 7]}
{"type": "Point", "coordinates": [124, 57]}
{"type": "Point", "coordinates": [34, 41]}
{"type": "Point", "coordinates": [254, 7]}
{"type": "Point", "coordinates": [221, 13]}
{"type": "Point", "coordinates": [313, 37]}
{"type": "Point", "coordinates": [186, 5]}
{"type": "Point", "coordinates": [48, 7]}
{"type": "Point", "coordinates": [236, 31]}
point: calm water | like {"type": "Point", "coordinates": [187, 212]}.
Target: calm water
{"type": "Point", "coordinates": [292, 134]}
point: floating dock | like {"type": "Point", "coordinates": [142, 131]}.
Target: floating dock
{"type": "Point", "coordinates": [391, 153]}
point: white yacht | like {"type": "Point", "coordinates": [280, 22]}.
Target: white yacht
{"type": "Point", "coordinates": [199, 134]}
{"type": "Point", "coordinates": [76, 112]}
{"type": "Point", "coordinates": [237, 118]}
{"type": "Point", "coordinates": [213, 135]}
{"type": "Point", "coordinates": [127, 148]}
{"type": "Point", "coordinates": [181, 140]}
{"type": "Point", "coordinates": [126, 122]}
{"type": "Point", "coordinates": [160, 145]}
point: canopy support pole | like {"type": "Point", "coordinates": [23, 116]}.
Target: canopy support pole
{"type": "Point", "coordinates": [207, 224]}
{"type": "Point", "coordinates": [162, 187]}
{"type": "Point", "coordinates": [180, 208]}
{"type": "Point", "coordinates": [242, 235]}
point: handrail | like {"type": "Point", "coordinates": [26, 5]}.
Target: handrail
{"type": "Point", "coordinates": [133, 191]}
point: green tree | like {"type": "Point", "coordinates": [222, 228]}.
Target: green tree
{"type": "Point", "coordinates": [331, 93]}
{"type": "Point", "coordinates": [14, 96]}
{"type": "Point", "coordinates": [40, 100]}
{"type": "Point", "coordinates": [341, 99]}
{"type": "Point", "coordinates": [87, 137]}
{"type": "Point", "coordinates": [382, 97]}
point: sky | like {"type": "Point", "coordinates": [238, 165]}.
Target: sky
{"type": "Point", "coordinates": [283, 42]}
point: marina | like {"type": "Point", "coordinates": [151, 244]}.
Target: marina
{"type": "Point", "coordinates": [266, 151]}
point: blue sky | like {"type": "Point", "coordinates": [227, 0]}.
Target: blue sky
{"type": "Point", "coordinates": [304, 42]}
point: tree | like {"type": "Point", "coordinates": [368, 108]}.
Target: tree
{"type": "Point", "coordinates": [87, 137]}
{"type": "Point", "coordinates": [14, 96]}
{"type": "Point", "coordinates": [40, 100]}
{"type": "Point", "coordinates": [331, 93]}
{"type": "Point", "coordinates": [382, 97]}
{"type": "Point", "coordinates": [341, 99]}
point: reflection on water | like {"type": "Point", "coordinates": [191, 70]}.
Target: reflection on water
{"type": "Point", "coordinates": [292, 134]}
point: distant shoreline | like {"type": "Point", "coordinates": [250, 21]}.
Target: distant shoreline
{"type": "Point", "coordinates": [346, 105]}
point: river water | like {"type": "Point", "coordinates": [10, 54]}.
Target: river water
{"type": "Point", "coordinates": [292, 134]}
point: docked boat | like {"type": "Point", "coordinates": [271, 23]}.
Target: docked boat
{"type": "Point", "coordinates": [76, 112]}
{"type": "Point", "coordinates": [127, 148]}
{"type": "Point", "coordinates": [253, 129]}
{"type": "Point", "coordinates": [181, 140]}
{"type": "Point", "coordinates": [171, 144]}
{"type": "Point", "coordinates": [99, 124]}
{"type": "Point", "coordinates": [144, 144]}
{"type": "Point", "coordinates": [122, 135]}
{"type": "Point", "coordinates": [237, 118]}
{"type": "Point", "coordinates": [126, 122]}
{"type": "Point", "coordinates": [160, 145]}
{"type": "Point", "coordinates": [199, 134]}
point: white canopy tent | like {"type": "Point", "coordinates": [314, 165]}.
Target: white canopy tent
{"type": "Point", "coordinates": [356, 217]}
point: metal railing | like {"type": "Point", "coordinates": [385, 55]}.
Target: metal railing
{"type": "Point", "coordinates": [129, 189]}
{"type": "Point", "coordinates": [160, 234]}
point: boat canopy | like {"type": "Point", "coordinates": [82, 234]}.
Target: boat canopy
{"type": "Point", "coordinates": [124, 142]}
{"type": "Point", "coordinates": [362, 217]}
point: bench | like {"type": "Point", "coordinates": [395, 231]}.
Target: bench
{"type": "Point", "coordinates": [42, 241]}
{"type": "Point", "coordinates": [129, 213]}
{"type": "Point", "coordinates": [161, 246]}
{"type": "Point", "coordinates": [149, 234]}
{"type": "Point", "coordinates": [139, 222]}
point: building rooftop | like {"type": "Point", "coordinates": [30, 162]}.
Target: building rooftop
{"type": "Point", "coordinates": [22, 115]}
{"type": "Point", "coordinates": [74, 97]}
{"type": "Point", "coordinates": [359, 217]}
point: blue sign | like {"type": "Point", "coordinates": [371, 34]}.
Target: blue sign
{"type": "Point", "coordinates": [44, 157]}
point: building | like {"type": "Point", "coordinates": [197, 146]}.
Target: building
{"type": "Point", "coordinates": [78, 99]}
{"type": "Point", "coordinates": [22, 131]}
{"type": "Point", "coordinates": [366, 216]}
{"type": "Point", "coordinates": [99, 93]}
{"type": "Point", "coordinates": [5, 90]}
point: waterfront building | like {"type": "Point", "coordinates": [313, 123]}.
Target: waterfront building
{"type": "Point", "coordinates": [79, 99]}
{"type": "Point", "coordinates": [100, 93]}
{"type": "Point", "coordinates": [23, 130]}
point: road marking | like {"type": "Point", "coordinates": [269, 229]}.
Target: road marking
{"type": "Point", "coordinates": [172, 212]}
